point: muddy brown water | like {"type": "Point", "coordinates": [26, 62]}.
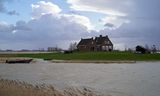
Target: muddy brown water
{"type": "Point", "coordinates": [140, 79]}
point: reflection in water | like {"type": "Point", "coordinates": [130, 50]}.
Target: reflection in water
{"type": "Point", "coordinates": [141, 79]}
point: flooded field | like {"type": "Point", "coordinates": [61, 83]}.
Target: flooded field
{"type": "Point", "coordinates": [139, 79]}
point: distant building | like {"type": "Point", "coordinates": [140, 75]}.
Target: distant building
{"type": "Point", "coordinates": [101, 43]}
{"type": "Point", "coordinates": [51, 49]}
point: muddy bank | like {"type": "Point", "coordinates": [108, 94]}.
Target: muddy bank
{"type": "Point", "coordinates": [20, 88]}
{"type": "Point", "coordinates": [4, 60]}
{"type": "Point", "coordinates": [94, 61]}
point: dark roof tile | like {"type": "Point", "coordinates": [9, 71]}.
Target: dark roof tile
{"type": "Point", "coordinates": [85, 41]}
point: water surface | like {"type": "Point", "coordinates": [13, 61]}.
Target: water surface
{"type": "Point", "coordinates": [140, 79]}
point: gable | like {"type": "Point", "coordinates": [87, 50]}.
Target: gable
{"type": "Point", "coordinates": [103, 40]}
{"type": "Point", "coordinates": [85, 41]}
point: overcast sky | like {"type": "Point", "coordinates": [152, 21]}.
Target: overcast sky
{"type": "Point", "coordinates": [33, 24]}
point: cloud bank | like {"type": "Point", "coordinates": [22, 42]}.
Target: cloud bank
{"type": "Point", "coordinates": [127, 22]}
{"type": "Point", "coordinates": [48, 27]}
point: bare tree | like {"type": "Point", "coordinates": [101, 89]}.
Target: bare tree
{"type": "Point", "coordinates": [147, 47]}
{"type": "Point", "coordinates": [73, 46]}
{"type": "Point", "coordinates": [154, 49]}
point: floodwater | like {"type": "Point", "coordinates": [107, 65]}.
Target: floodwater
{"type": "Point", "coordinates": [139, 79]}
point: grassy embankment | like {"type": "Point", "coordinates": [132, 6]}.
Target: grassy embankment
{"type": "Point", "coordinates": [90, 56]}
{"type": "Point", "coordinates": [18, 88]}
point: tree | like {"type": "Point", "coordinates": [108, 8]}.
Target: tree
{"type": "Point", "coordinates": [73, 46]}
{"type": "Point", "coordinates": [147, 47]}
{"type": "Point", "coordinates": [140, 49]}
{"type": "Point", "coordinates": [154, 49]}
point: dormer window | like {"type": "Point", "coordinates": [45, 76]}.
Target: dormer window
{"type": "Point", "coordinates": [92, 42]}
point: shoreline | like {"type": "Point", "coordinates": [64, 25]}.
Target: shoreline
{"type": "Point", "coordinates": [88, 57]}
{"type": "Point", "coordinates": [35, 60]}
{"type": "Point", "coordinates": [3, 60]}
{"type": "Point", "coordinates": [94, 61]}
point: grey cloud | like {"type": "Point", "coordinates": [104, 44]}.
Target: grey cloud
{"type": "Point", "coordinates": [137, 32]}
{"type": "Point", "coordinates": [143, 27]}
{"type": "Point", "coordinates": [3, 9]}
{"type": "Point", "coordinates": [149, 8]}
{"type": "Point", "coordinates": [12, 13]}
{"type": "Point", "coordinates": [21, 25]}
{"type": "Point", "coordinates": [6, 27]}
{"type": "Point", "coordinates": [109, 25]}
{"type": "Point", "coordinates": [45, 31]}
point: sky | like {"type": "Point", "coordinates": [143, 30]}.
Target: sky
{"type": "Point", "coordinates": [34, 24]}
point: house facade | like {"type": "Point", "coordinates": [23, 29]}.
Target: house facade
{"type": "Point", "coordinates": [101, 43]}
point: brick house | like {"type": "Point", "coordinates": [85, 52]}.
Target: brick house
{"type": "Point", "coordinates": [101, 43]}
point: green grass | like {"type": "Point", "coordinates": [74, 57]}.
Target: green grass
{"type": "Point", "coordinates": [90, 56]}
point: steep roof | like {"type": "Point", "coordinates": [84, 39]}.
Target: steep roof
{"type": "Point", "coordinates": [101, 40]}
{"type": "Point", "coordinates": [85, 41]}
